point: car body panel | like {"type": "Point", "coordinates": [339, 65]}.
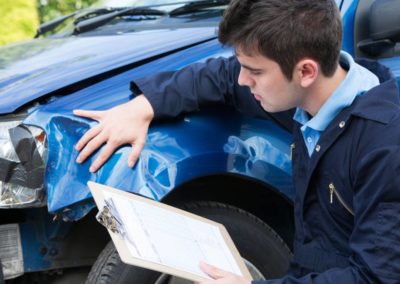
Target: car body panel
{"type": "Point", "coordinates": [237, 146]}
{"type": "Point", "coordinates": [348, 9]}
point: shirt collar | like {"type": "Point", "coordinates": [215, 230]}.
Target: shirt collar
{"type": "Point", "coordinates": [357, 81]}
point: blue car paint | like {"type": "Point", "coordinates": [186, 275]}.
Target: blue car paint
{"type": "Point", "coordinates": [237, 146]}
{"type": "Point", "coordinates": [348, 10]}
{"type": "Point", "coordinates": [43, 244]}
{"type": "Point", "coordinates": [37, 68]}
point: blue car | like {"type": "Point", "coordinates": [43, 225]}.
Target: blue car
{"type": "Point", "coordinates": [216, 163]}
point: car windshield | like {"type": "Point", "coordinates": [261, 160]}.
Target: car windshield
{"type": "Point", "coordinates": [107, 17]}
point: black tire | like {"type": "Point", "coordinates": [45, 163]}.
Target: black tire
{"type": "Point", "coordinates": [255, 240]}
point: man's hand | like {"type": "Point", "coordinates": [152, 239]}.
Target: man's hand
{"type": "Point", "coordinates": [220, 276]}
{"type": "Point", "coordinates": [124, 124]}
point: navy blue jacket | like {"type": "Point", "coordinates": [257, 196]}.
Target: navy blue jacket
{"type": "Point", "coordinates": [347, 201]}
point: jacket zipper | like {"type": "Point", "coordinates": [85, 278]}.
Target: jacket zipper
{"type": "Point", "coordinates": [292, 147]}
{"type": "Point", "coordinates": [332, 191]}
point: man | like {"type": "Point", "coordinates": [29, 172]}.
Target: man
{"type": "Point", "coordinates": [346, 162]}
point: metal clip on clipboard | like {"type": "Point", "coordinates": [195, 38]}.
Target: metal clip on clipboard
{"type": "Point", "coordinates": [110, 219]}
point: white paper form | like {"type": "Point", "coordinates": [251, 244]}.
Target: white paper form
{"type": "Point", "coordinates": [168, 238]}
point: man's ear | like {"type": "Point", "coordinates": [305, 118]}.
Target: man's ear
{"type": "Point", "coordinates": [306, 72]}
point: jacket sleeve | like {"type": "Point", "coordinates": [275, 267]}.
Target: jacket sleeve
{"type": "Point", "coordinates": [375, 240]}
{"type": "Point", "coordinates": [201, 84]}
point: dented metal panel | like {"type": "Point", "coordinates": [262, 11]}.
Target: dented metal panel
{"type": "Point", "coordinates": [171, 155]}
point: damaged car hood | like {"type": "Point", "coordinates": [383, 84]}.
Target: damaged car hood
{"type": "Point", "coordinates": [34, 69]}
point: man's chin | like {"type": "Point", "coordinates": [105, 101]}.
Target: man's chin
{"type": "Point", "coordinates": [269, 108]}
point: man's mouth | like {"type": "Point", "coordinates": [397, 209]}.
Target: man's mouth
{"type": "Point", "coordinates": [257, 97]}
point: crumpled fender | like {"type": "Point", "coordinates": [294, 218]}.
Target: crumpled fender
{"type": "Point", "coordinates": [175, 152]}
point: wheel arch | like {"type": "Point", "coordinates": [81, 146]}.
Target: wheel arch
{"type": "Point", "coordinates": [259, 199]}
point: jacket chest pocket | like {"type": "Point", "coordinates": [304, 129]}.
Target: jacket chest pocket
{"type": "Point", "coordinates": [335, 196]}
{"type": "Point", "coordinates": [336, 200]}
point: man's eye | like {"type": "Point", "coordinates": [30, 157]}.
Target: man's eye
{"type": "Point", "coordinates": [255, 73]}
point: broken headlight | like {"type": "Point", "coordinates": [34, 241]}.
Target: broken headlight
{"type": "Point", "coordinates": [23, 152]}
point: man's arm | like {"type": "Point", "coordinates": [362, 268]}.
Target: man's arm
{"type": "Point", "coordinates": [166, 95]}
{"type": "Point", "coordinates": [197, 85]}
{"type": "Point", "coordinates": [212, 82]}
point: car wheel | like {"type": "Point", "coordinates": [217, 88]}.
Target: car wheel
{"type": "Point", "coordinates": [265, 253]}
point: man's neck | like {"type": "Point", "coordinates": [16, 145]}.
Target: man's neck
{"type": "Point", "coordinates": [322, 89]}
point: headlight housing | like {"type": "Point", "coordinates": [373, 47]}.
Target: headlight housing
{"type": "Point", "coordinates": [23, 151]}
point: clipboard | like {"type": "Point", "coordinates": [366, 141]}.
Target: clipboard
{"type": "Point", "coordinates": [117, 224]}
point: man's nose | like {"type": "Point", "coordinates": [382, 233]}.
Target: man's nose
{"type": "Point", "coordinates": [244, 78]}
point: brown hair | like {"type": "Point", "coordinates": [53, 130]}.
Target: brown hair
{"type": "Point", "coordinates": [285, 31]}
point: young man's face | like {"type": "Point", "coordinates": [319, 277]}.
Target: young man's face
{"type": "Point", "coordinates": [267, 83]}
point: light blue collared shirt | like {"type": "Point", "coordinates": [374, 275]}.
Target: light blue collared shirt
{"type": "Point", "coordinates": [357, 81]}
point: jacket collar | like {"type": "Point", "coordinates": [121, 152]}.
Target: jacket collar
{"type": "Point", "coordinates": [382, 102]}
